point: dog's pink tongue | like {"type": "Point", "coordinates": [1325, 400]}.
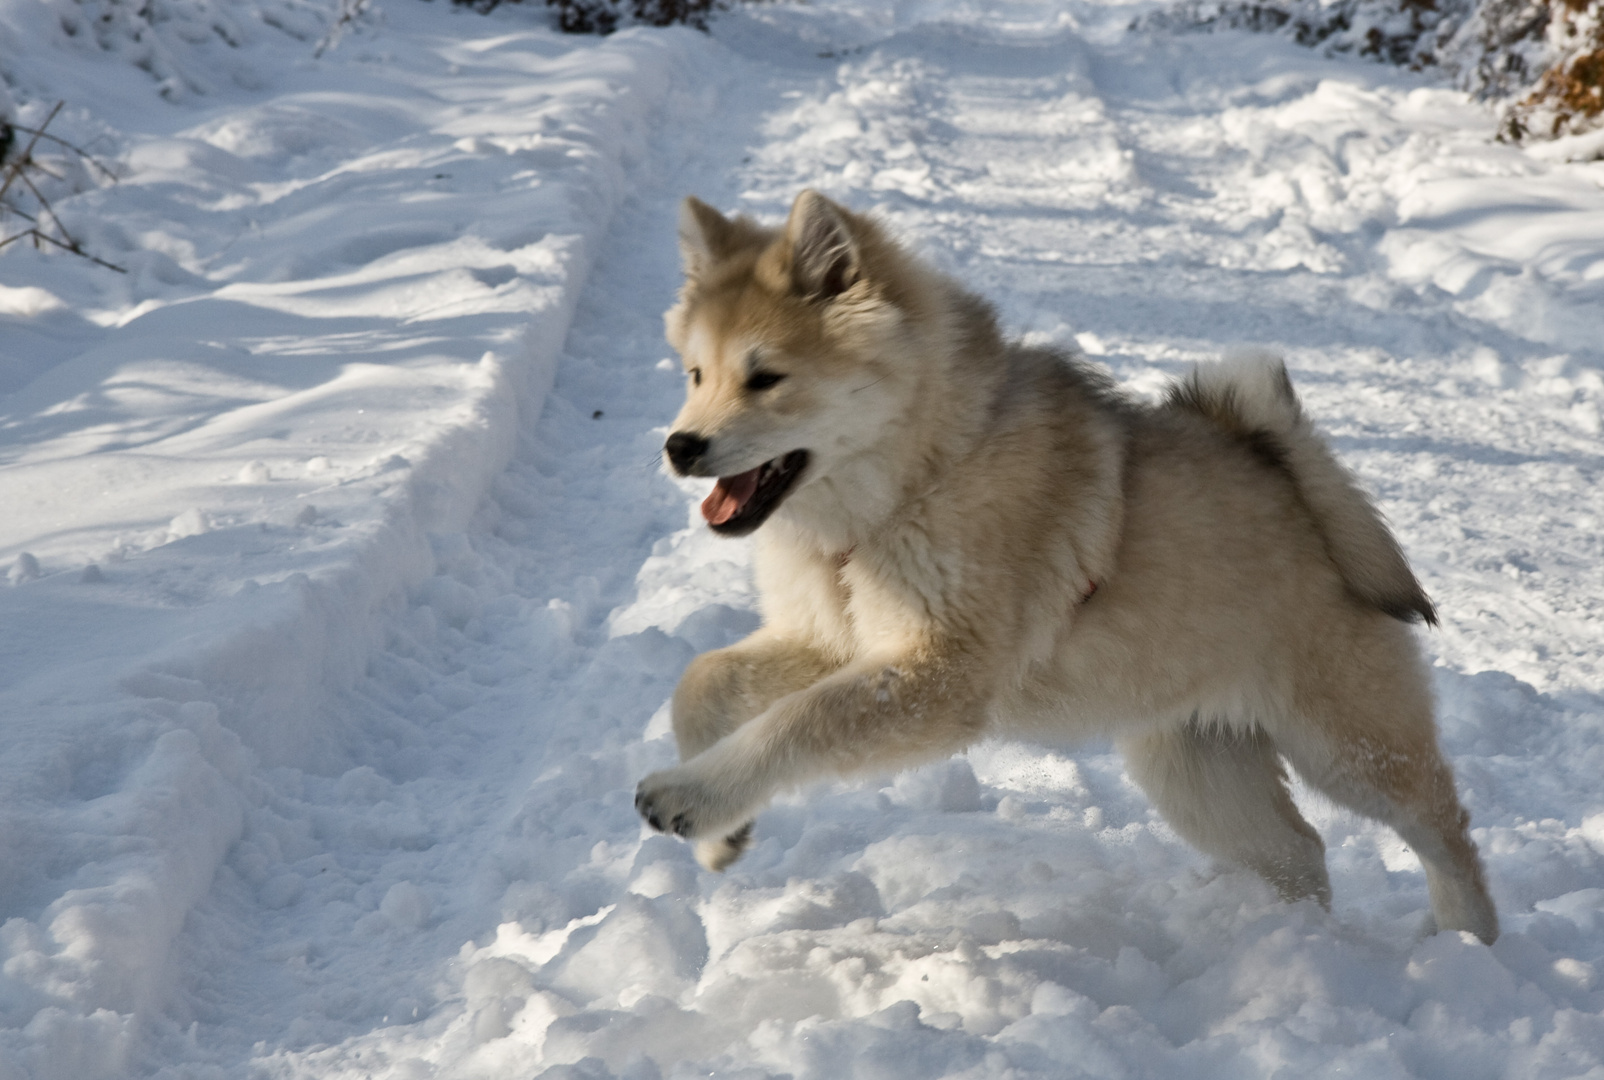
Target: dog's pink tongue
{"type": "Point", "coordinates": [729, 495]}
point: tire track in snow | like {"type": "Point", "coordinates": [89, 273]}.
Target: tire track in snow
{"type": "Point", "coordinates": [143, 694]}
{"type": "Point", "coordinates": [491, 741]}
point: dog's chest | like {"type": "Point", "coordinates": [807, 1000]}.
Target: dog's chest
{"type": "Point", "coordinates": [882, 606]}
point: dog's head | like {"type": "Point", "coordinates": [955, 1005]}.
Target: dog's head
{"type": "Point", "coordinates": [787, 338]}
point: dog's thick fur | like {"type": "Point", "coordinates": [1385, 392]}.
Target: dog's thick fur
{"type": "Point", "coordinates": [988, 539]}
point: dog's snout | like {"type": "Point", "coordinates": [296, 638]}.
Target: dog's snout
{"type": "Point", "coordinates": [684, 449]}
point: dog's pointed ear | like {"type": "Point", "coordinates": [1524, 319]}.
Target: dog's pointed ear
{"type": "Point", "coordinates": [705, 236]}
{"type": "Point", "coordinates": [824, 256]}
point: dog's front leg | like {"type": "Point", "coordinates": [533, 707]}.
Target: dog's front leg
{"type": "Point", "coordinates": [723, 689]}
{"type": "Point", "coordinates": [867, 715]}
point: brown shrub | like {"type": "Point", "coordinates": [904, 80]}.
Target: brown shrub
{"type": "Point", "coordinates": [1569, 97]}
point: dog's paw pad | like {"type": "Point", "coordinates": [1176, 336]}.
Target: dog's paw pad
{"type": "Point", "coordinates": [645, 808]}
{"type": "Point", "coordinates": [670, 807]}
{"type": "Point", "coordinates": [684, 803]}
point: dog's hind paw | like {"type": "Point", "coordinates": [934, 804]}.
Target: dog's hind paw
{"type": "Point", "coordinates": [716, 855]}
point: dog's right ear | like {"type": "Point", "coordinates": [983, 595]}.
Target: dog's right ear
{"type": "Point", "coordinates": [824, 256]}
{"type": "Point", "coordinates": [705, 236]}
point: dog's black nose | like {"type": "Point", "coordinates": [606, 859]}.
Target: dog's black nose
{"type": "Point", "coordinates": [683, 449]}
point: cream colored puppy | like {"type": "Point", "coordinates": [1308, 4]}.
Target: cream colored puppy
{"type": "Point", "coordinates": [958, 536]}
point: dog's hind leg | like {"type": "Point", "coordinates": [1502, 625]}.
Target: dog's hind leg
{"type": "Point", "coordinates": [1375, 751]}
{"type": "Point", "coordinates": [1224, 791]}
{"type": "Point", "coordinates": [723, 689]}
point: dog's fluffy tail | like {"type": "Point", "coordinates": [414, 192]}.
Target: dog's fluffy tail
{"type": "Point", "coordinates": [1249, 395]}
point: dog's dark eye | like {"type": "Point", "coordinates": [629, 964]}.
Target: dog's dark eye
{"type": "Point", "coordinates": [762, 380]}
{"type": "Point", "coordinates": [696, 376]}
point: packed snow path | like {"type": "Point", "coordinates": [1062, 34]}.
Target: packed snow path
{"type": "Point", "coordinates": [458, 884]}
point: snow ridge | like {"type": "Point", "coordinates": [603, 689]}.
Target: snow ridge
{"type": "Point", "coordinates": [205, 647]}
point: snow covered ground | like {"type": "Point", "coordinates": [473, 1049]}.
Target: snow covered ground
{"type": "Point", "coordinates": [354, 590]}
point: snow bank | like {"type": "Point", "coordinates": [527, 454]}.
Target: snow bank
{"type": "Point", "coordinates": [222, 473]}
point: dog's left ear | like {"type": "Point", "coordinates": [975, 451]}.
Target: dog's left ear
{"type": "Point", "coordinates": [705, 236]}
{"type": "Point", "coordinates": [824, 256]}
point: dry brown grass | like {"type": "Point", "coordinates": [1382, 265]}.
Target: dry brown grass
{"type": "Point", "coordinates": [20, 195]}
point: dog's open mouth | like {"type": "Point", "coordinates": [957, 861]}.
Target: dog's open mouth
{"type": "Point", "coordinates": [740, 503]}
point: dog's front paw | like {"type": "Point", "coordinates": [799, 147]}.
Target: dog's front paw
{"type": "Point", "coordinates": [676, 801]}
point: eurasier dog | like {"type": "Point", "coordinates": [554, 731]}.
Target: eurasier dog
{"type": "Point", "coordinates": [960, 536]}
